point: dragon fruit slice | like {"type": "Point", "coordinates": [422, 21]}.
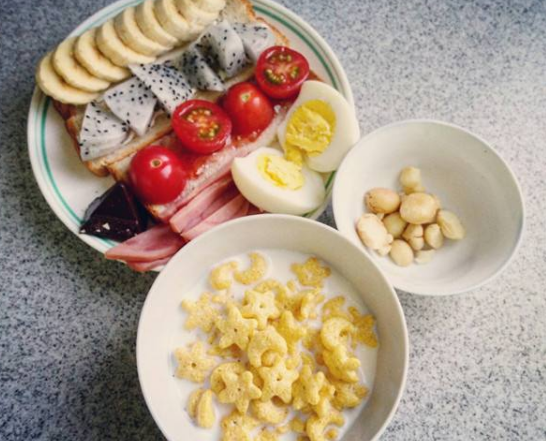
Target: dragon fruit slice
{"type": "Point", "coordinates": [132, 102]}
{"type": "Point", "coordinates": [257, 37]}
{"type": "Point", "coordinates": [101, 133]}
{"type": "Point", "coordinates": [167, 83]}
{"type": "Point", "coordinates": [224, 48]}
{"type": "Point", "coordinates": [201, 76]}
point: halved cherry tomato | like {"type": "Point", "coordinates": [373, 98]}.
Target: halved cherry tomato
{"type": "Point", "coordinates": [249, 109]}
{"type": "Point", "coordinates": [281, 71]}
{"type": "Point", "coordinates": [157, 175]}
{"type": "Point", "coordinates": [201, 126]}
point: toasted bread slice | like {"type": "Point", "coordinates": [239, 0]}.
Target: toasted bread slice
{"type": "Point", "coordinates": [116, 162]}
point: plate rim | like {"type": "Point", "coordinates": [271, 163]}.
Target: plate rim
{"type": "Point", "coordinates": [39, 107]}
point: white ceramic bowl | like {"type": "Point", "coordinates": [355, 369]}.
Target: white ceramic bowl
{"type": "Point", "coordinates": [162, 318]}
{"type": "Point", "coordinates": [471, 180]}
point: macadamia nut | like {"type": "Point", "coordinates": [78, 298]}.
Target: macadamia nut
{"type": "Point", "coordinates": [418, 208]}
{"type": "Point", "coordinates": [410, 179]}
{"type": "Point", "coordinates": [372, 232]}
{"type": "Point", "coordinates": [451, 226]}
{"type": "Point", "coordinates": [433, 236]}
{"type": "Point", "coordinates": [395, 224]}
{"type": "Point", "coordinates": [413, 231]}
{"type": "Point", "coordinates": [416, 243]}
{"type": "Point", "coordinates": [401, 253]}
{"type": "Point", "coordinates": [382, 200]}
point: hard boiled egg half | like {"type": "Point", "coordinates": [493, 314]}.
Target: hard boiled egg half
{"type": "Point", "coordinates": [276, 185]}
{"type": "Point", "coordinates": [320, 127]}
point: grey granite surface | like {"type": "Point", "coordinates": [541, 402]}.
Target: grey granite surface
{"type": "Point", "coordinates": [68, 318]}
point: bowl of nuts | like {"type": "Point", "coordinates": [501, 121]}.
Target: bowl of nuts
{"type": "Point", "coordinates": [438, 209]}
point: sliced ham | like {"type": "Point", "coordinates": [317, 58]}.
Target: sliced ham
{"type": "Point", "coordinates": [237, 207]}
{"type": "Point", "coordinates": [190, 214]}
{"type": "Point", "coordinates": [157, 243]}
{"type": "Point", "coordinates": [142, 267]}
{"type": "Point", "coordinates": [208, 169]}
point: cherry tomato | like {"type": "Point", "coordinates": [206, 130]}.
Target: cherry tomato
{"type": "Point", "coordinates": [249, 109]}
{"type": "Point", "coordinates": [281, 71]}
{"type": "Point", "coordinates": [157, 175]}
{"type": "Point", "coordinates": [202, 126]}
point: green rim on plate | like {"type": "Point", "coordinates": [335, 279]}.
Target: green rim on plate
{"type": "Point", "coordinates": [263, 7]}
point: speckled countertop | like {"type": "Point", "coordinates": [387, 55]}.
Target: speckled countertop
{"type": "Point", "coordinates": [68, 318]}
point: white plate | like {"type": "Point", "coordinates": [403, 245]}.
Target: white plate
{"type": "Point", "coordinates": [66, 183]}
{"type": "Point", "coordinates": [470, 179]}
{"type": "Point", "coordinates": [161, 325]}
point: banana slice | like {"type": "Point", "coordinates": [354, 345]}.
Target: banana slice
{"type": "Point", "coordinates": [173, 22]}
{"type": "Point", "coordinates": [194, 14]}
{"type": "Point", "coordinates": [210, 5]}
{"type": "Point", "coordinates": [129, 32]}
{"type": "Point", "coordinates": [113, 48]}
{"type": "Point", "coordinates": [73, 72]}
{"type": "Point", "coordinates": [148, 24]}
{"type": "Point", "coordinates": [53, 85]}
{"type": "Point", "coordinates": [87, 53]}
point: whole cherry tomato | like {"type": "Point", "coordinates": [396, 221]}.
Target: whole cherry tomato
{"type": "Point", "coordinates": [201, 126]}
{"type": "Point", "coordinates": [249, 109]}
{"type": "Point", "coordinates": [157, 175]}
{"type": "Point", "coordinates": [281, 71]}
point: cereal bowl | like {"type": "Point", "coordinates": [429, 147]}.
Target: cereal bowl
{"type": "Point", "coordinates": [469, 178]}
{"type": "Point", "coordinates": [161, 325]}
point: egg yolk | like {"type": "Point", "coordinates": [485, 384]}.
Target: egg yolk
{"type": "Point", "coordinates": [280, 172]}
{"type": "Point", "coordinates": [309, 130]}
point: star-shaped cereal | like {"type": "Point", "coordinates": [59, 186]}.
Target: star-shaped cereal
{"type": "Point", "coordinates": [235, 329]}
{"type": "Point", "coordinates": [201, 314]}
{"type": "Point", "coordinates": [217, 383]}
{"type": "Point", "coordinates": [291, 330]}
{"type": "Point", "coordinates": [268, 412]}
{"type": "Point", "coordinates": [238, 427]}
{"type": "Point", "coordinates": [341, 365]}
{"type": "Point", "coordinates": [268, 340]}
{"type": "Point", "coordinates": [316, 425]}
{"type": "Point", "coordinates": [193, 364]}
{"type": "Point", "coordinates": [334, 308]}
{"type": "Point", "coordinates": [364, 325]}
{"type": "Point", "coordinates": [240, 390]}
{"type": "Point", "coordinates": [256, 271]}
{"type": "Point", "coordinates": [221, 277]}
{"type": "Point", "coordinates": [278, 381]}
{"type": "Point", "coordinates": [261, 307]}
{"type": "Point", "coordinates": [311, 273]}
{"type": "Point", "coordinates": [307, 389]}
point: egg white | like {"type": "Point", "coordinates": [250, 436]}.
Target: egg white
{"type": "Point", "coordinates": [269, 197]}
{"type": "Point", "coordinates": [347, 131]}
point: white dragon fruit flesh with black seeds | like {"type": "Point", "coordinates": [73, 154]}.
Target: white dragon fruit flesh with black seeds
{"type": "Point", "coordinates": [201, 76]}
{"type": "Point", "coordinates": [225, 48]}
{"type": "Point", "coordinates": [132, 102]}
{"type": "Point", "coordinates": [257, 37]}
{"type": "Point", "coordinates": [166, 82]}
{"type": "Point", "coordinates": [102, 132]}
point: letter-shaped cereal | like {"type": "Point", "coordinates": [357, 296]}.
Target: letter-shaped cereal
{"type": "Point", "coordinates": [266, 340]}
{"type": "Point", "coordinates": [307, 389]}
{"type": "Point", "coordinates": [235, 329]}
{"type": "Point", "coordinates": [335, 331]}
{"type": "Point", "coordinates": [258, 268]}
{"type": "Point", "coordinates": [201, 314]}
{"type": "Point", "coordinates": [348, 394]}
{"type": "Point", "coordinates": [221, 276]}
{"type": "Point", "coordinates": [261, 307]}
{"type": "Point", "coordinates": [240, 390]}
{"type": "Point", "coordinates": [193, 364]}
{"type": "Point", "coordinates": [290, 330]}
{"type": "Point", "coordinates": [278, 381]}
{"type": "Point", "coordinates": [310, 298]}
{"type": "Point", "coordinates": [316, 425]}
{"type": "Point", "coordinates": [341, 365]}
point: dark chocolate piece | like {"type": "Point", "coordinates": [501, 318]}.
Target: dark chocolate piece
{"type": "Point", "coordinates": [115, 215]}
